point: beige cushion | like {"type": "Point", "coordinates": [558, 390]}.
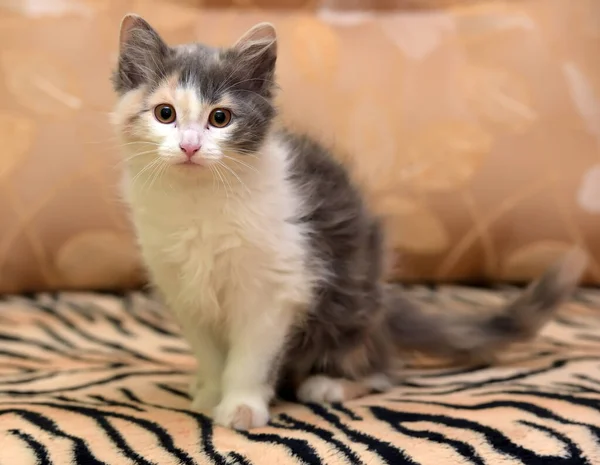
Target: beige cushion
{"type": "Point", "coordinates": [475, 131]}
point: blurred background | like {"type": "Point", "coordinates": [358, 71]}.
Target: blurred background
{"type": "Point", "coordinates": [473, 126]}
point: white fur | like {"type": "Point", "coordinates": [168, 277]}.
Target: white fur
{"type": "Point", "coordinates": [230, 266]}
{"type": "Point", "coordinates": [379, 382]}
{"type": "Point", "coordinates": [320, 389]}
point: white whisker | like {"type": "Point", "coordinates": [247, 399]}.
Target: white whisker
{"type": "Point", "coordinates": [222, 180]}
{"type": "Point", "coordinates": [143, 170]}
{"type": "Point", "coordinates": [236, 176]}
{"type": "Point", "coordinates": [132, 157]}
{"type": "Point", "coordinates": [220, 163]}
{"type": "Point", "coordinates": [212, 173]}
{"type": "Point", "coordinates": [242, 163]}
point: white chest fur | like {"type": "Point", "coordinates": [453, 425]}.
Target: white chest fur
{"type": "Point", "coordinates": [209, 249]}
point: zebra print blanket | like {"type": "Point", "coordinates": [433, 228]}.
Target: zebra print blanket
{"type": "Point", "coordinates": [101, 379]}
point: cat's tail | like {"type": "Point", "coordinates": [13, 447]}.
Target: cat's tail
{"type": "Point", "coordinates": [478, 335]}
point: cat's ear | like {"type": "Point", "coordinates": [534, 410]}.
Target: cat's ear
{"type": "Point", "coordinates": [257, 49]}
{"type": "Point", "coordinates": [142, 54]}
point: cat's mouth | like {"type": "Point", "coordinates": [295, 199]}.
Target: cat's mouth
{"type": "Point", "coordinates": [191, 164]}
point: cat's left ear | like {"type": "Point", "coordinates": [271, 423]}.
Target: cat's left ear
{"type": "Point", "coordinates": [142, 54]}
{"type": "Point", "coordinates": [257, 48]}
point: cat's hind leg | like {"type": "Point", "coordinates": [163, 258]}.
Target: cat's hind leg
{"type": "Point", "coordinates": [319, 389]}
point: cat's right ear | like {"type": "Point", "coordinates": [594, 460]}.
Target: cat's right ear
{"type": "Point", "coordinates": [257, 50]}
{"type": "Point", "coordinates": [142, 54]}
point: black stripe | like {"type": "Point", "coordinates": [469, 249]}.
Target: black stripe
{"type": "Point", "coordinates": [388, 452]}
{"type": "Point", "coordinates": [89, 337]}
{"type": "Point", "coordinates": [533, 409]}
{"type": "Point", "coordinates": [153, 307]}
{"type": "Point", "coordinates": [130, 395]}
{"type": "Point", "coordinates": [323, 434]}
{"type": "Point", "coordinates": [100, 416]}
{"type": "Point", "coordinates": [206, 438]}
{"type": "Point", "coordinates": [205, 426]}
{"type": "Point", "coordinates": [129, 306]}
{"type": "Point", "coordinates": [54, 373]}
{"type": "Point", "coordinates": [465, 449]}
{"type": "Point", "coordinates": [70, 400]}
{"type": "Point", "coordinates": [349, 413]}
{"type": "Point", "coordinates": [94, 310]}
{"type": "Point", "coordinates": [54, 335]}
{"type": "Point", "coordinates": [465, 385]}
{"type": "Point", "coordinates": [115, 403]}
{"type": "Point", "coordinates": [81, 453]}
{"type": "Point", "coordinates": [21, 356]}
{"type": "Point", "coordinates": [175, 350]}
{"type": "Point", "coordinates": [574, 452]}
{"type": "Point", "coordinates": [79, 310]}
{"type": "Point", "coordinates": [593, 404]}
{"type": "Point", "coordinates": [118, 325]}
{"type": "Point", "coordinates": [171, 390]}
{"type": "Point", "coordinates": [113, 434]}
{"type": "Point", "coordinates": [38, 449]}
{"type": "Point", "coordinates": [32, 342]}
{"type": "Point", "coordinates": [237, 459]}
{"type": "Point", "coordinates": [494, 438]}
{"type": "Point", "coordinates": [453, 372]}
{"type": "Point", "coordinates": [298, 448]}
{"type": "Point", "coordinates": [588, 378]}
{"type": "Point", "coordinates": [95, 383]}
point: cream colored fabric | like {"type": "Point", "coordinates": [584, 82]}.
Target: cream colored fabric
{"type": "Point", "coordinates": [474, 129]}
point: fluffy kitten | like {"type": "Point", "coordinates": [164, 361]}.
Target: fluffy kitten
{"type": "Point", "coordinates": [262, 246]}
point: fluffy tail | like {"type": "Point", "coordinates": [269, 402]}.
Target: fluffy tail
{"type": "Point", "coordinates": [478, 335]}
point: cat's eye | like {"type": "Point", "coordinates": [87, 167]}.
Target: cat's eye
{"type": "Point", "coordinates": [165, 113]}
{"type": "Point", "coordinates": [219, 117]}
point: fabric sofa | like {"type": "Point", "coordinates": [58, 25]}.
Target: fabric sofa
{"type": "Point", "coordinates": [474, 129]}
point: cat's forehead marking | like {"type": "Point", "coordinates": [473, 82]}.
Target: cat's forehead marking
{"type": "Point", "coordinates": [172, 81]}
{"type": "Point", "coordinates": [189, 105]}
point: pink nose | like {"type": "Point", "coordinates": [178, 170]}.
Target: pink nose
{"type": "Point", "coordinates": [189, 148]}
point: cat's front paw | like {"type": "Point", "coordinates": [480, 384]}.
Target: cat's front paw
{"type": "Point", "coordinates": [205, 399]}
{"type": "Point", "coordinates": [242, 412]}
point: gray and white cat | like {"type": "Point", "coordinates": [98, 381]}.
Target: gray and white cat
{"type": "Point", "coordinates": [263, 247]}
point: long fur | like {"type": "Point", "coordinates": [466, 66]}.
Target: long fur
{"type": "Point", "coordinates": [267, 254]}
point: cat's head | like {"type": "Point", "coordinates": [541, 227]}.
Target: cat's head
{"type": "Point", "coordinates": [189, 106]}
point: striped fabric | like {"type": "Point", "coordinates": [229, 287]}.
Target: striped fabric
{"type": "Point", "coordinates": [102, 379]}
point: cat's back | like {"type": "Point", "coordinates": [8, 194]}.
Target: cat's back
{"type": "Point", "coordinates": [314, 164]}
{"type": "Point", "coordinates": [335, 204]}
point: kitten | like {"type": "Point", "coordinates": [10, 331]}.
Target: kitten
{"type": "Point", "coordinates": [263, 247]}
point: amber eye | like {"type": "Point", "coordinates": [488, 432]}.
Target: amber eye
{"type": "Point", "coordinates": [219, 117]}
{"type": "Point", "coordinates": [164, 113]}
